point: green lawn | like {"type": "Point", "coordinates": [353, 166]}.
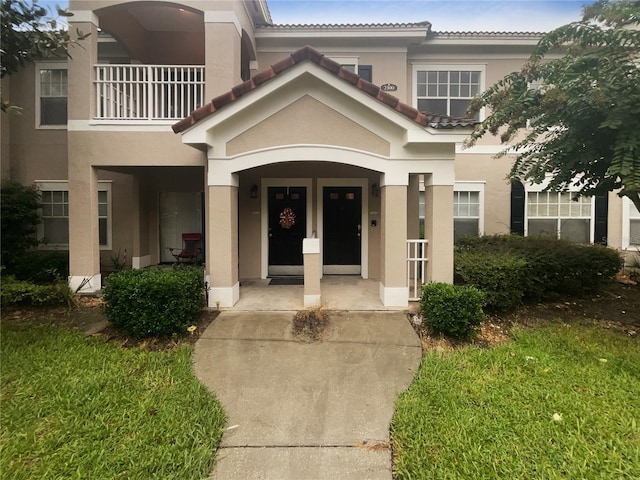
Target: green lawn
{"type": "Point", "coordinates": [75, 407]}
{"type": "Point", "coordinates": [559, 402]}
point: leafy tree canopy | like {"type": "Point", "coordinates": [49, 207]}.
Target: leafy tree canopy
{"type": "Point", "coordinates": [29, 33]}
{"type": "Point", "coordinates": [572, 110]}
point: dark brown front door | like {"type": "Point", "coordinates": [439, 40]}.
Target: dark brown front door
{"type": "Point", "coordinates": [287, 229]}
{"type": "Point", "coordinates": [342, 230]}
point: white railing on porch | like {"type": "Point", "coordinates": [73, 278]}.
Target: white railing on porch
{"type": "Point", "coordinates": [416, 267]}
{"type": "Point", "coordinates": [148, 92]}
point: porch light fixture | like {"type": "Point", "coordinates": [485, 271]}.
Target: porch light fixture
{"type": "Point", "coordinates": [254, 191]}
{"type": "Point", "coordinates": [375, 189]}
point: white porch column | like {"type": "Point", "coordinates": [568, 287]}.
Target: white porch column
{"type": "Point", "coordinates": [394, 291]}
{"type": "Point", "coordinates": [222, 245]}
{"type": "Point", "coordinates": [438, 225]}
{"type": "Point", "coordinates": [312, 272]}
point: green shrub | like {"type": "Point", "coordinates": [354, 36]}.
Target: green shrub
{"type": "Point", "coordinates": [41, 266]}
{"type": "Point", "coordinates": [19, 292]}
{"type": "Point", "coordinates": [154, 301]}
{"type": "Point", "coordinates": [501, 276]}
{"type": "Point", "coordinates": [19, 206]}
{"type": "Point", "coordinates": [451, 309]}
{"type": "Point", "coordinates": [554, 267]}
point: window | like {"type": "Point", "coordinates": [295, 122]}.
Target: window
{"type": "Point", "coordinates": [631, 225]}
{"type": "Point", "coordinates": [53, 230]}
{"type": "Point", "coordinates": [559, 215]}
{"type": "Point", "coordinates": [468, 200]}
{"type": "Point", "coordinates": [447, 90]}
{"type": "Point", "coordinates": [351, 64]}
{"type": "Point", "coordinates": [51, 92]}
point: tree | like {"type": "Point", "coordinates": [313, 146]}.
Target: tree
{"type": "Point", "coordinates": [19, 218]}
{"type": "Point", "coordinates": [571, 113]}
{"type": "Point", "coordinates": [28, 34]}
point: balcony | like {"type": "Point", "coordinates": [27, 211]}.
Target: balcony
{"type": "Point", "coordinates": [148, 93]}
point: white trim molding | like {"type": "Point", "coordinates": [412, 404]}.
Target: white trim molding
{"type": "Point", "coordinates": [223, 17]}
{"type": "Point", "coordinates": [311, 301]}
{"type": "Point", "coordinates": [85, 283]}
{"type": "Point", "coordinates": [223, 296]}
{"type": "Point", "coordinates": [140, 262]}
{"type": "Point", "coordinates": [394, 296]}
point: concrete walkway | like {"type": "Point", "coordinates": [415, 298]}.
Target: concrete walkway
{"type": "Point", "coordinates": [307, 411]}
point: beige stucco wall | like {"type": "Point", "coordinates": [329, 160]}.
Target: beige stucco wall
{"type": "Point", "coordinates": [387, 67]}
{"type": "Point", "coordinates": [131, 148]}
{"type": "Point", "coordinates": [33, 154]}
{"type": "Point", "coordinates": [497, 189]}
{"type": "Point", "coordinates": [307, 121]}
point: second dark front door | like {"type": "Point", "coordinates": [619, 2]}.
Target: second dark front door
{"type": "Point", "coordinates": [287, 229]}
{"type": "Point", "coordinates": [342, 230]}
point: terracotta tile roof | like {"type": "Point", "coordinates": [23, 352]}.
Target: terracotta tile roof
{"type": "Point", "coordinates": [434, 34]}
{"type": "Point", "coordinates": [319, 26]}
{"type": "Point", "coordinates": [424, 119]}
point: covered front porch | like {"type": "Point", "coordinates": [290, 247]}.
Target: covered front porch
{"type": "Point", "coordinates": [338, 292]}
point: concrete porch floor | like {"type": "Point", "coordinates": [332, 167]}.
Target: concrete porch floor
{"type": "Point", "coordinates": [339, 292]}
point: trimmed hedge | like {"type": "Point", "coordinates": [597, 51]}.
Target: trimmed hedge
{"type": "Point", "coordinates": [542, 267]}
{"type": "Point", "coordinates": [154, 301]}
{"type": "Point", "coordinates": [501, 276]}
{"type": "Point", "coordinates": [451, 309]}
{"type": "Point", "coordinates": [19, 292]}
{"type": "Point", "coordinates": [41, 266]}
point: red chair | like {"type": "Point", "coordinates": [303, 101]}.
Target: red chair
{"type": "Point", "coordinates": [191, 249]}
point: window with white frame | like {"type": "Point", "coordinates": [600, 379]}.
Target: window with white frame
{"type": "Point", "coordinates": [348, 63]}
{"type": "Point", "coordinates": [560, 215]}
{"type": "Point", "coordinates": [631, 225]}
{"type": "Point", "coordinates": [352, 64]}
{"type": "Point", "coordinates": [53, 230]}
{"type": "Point", "coordinates": [447, 89]}
{"type": "Point", "coordinates": [51, 93]}
{"type": "Point", "coordinates": [468, 210]}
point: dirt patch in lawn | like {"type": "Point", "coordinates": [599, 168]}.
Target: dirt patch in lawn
{"type": "Point", "coordinates": [617, 306]}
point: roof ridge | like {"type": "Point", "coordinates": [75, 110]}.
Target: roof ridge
{"type": "Point", "coordinates": [309, 53]}
{"type": "Point", "coordinates": [424, 23]}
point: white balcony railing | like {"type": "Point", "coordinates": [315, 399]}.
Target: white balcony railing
{"type": "Point", "coordinates": [416, 267]}
{"type": "Point", "coordinates": [148, 92]}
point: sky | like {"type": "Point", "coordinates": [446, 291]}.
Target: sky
{"type": "Point", "coordinates": [445, 15]}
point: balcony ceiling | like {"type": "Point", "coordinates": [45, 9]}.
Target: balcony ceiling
{"type": "Point", "coordinates": [165, 18]}
{"type": "Point", "coordinates": [156, 33]}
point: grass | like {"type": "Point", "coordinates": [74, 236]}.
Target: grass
{"type": "Point", "coordinates": [76, 407]}
{"type": "Point", "coordinates": [558, 402]}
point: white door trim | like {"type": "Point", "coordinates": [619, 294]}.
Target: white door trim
{"type": "Point", "coordinates": [265, 183]}
{"type": "Point", "coordinates": [364, 237]}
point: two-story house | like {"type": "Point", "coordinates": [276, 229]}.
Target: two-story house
{"type": "Point", "coordinates": [204, 116]}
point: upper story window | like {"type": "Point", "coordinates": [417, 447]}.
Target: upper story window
{"type": "Point", "coordinates": [352, 64]}
{"type": "Point", "coordinates": [51, 93]}
{"type": "Point", "coordinates": [447, 89]}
